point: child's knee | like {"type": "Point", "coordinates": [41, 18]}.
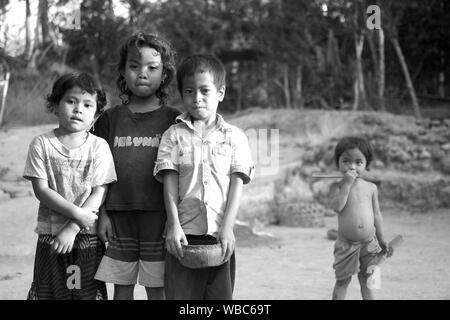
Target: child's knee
{"type": "Point", "coordinates": [343, 282]}
{"type": "Point", "coordinates": [362, 277]}
{"type": "Point", "coordinates": [155, 293]}
{"type": "Point", "coordinates": [125, 289]}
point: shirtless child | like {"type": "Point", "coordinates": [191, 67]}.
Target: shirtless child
{"type": "Point", "coordinates": [360, 224]}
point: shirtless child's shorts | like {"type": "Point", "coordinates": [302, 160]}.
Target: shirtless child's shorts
{"type": "Point", "coordinates": [354, 257]}
{"type": "Point", "coordinates": [136, 249]}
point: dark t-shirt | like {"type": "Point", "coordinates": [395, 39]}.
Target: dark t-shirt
{"type": "Point", "coordinates": [134, 139]}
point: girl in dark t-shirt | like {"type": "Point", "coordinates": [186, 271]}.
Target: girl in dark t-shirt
{"type": "Point", "coordinates": [134, 217]}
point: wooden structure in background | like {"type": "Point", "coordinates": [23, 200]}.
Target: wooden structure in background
{"type": "Point", "coordinates": [4, 81]}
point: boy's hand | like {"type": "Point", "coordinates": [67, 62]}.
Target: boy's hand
{"type": "Point", "coordinates": [86, 216]}
{"type": "Point", "coordinates": [174, 238]}
{"type": "Point", "coordinates": [63, 242]}
{"type": "Point", "coordinates": [227, 240]}
{"type": "Point", "coordinates": [386, 248]}
{"type": "Point", "coordinates": [104, 227]}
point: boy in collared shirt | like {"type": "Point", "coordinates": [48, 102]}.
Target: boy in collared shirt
{"type": "Point", "coordinates": [203, 162]}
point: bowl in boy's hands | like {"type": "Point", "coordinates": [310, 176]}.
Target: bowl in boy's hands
{"type": "Point", "coordinates": [202, 256]}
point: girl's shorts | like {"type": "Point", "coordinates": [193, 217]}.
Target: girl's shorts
{"type": "Point", "coordinates": [68, 276]}
{"type": "Point", "coordinates": [135, 250]}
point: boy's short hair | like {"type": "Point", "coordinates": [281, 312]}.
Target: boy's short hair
{"type": "Point", "coordinates": [348, 143]}
{"type": "Point", "coordinates": [199, 63]}
{"type": "Point", "coordinates": [165, 49]}
{"type": "Point", "coordinates": [84, 81]}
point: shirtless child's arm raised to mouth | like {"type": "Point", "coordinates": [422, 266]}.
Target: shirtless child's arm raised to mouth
{"type": "Point", "coordinates": [360, 224]}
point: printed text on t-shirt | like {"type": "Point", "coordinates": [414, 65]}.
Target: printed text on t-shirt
{"type": "Point", "coordinates": [128, 141]}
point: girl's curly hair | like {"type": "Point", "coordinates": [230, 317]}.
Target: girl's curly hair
{"type": "Point", "coordinates": [84, 81]}
{"type": "Point", "coordinates": [139, 40]}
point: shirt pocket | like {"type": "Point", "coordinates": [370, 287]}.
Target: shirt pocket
{"type": "Point", "coordinates": [222, 153]}
{"type": "Point", "coordinates": [186, 161]}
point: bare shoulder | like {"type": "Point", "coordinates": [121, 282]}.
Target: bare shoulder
{"type": "Point", "coordinates": [370, 186]}
{"type": "Point", "coordinates": [373, 186]}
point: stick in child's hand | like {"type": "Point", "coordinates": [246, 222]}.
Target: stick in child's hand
{"type": "Point", "coordinates": [338, 175]}
{"type": "Point", "coordinates": [326, 175]}
{"type": "Point", "coordinates": [374, 280]}
{"type": "Point", "coordinates": [394, 243]}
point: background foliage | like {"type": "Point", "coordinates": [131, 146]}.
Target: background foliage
{"type": "Point", "coordinates": [278, 53]}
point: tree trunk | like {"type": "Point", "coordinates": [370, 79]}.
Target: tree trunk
{"type": "Point", "coordinates": [4, 81]}
{"type": "Point", "coordinates": [95, 68]}
{"type": "Point", "coordinates": [355, 94]}
{"type": "Point", "coordinates": [132, 13]}
{"type": "Point", "coordinates": [28, 48]}
{"type": "Point", "coordinates": [285, 86]}
{"type": "Point", "coordinates": [31, 63]}
{"type": "Point", "coordinates": [240, 83]}
{"type": "Point", "coordinates": [330, 47]}
{"type": "Point", "coordinates": [287, 93]}
{"type": "Point", "coordinates": [405, 70]}
{"type": "Point", "coordinates": [320, 58]}
{"type": "Point", "coordinates": [334, 61]}
{"type": "Point", "coordinates": [417, 71]}
{"type": "Point", "coordinates": [298, 87]}
{"type": "Point", "coordinates": [381, 73]}
{"type": "Point", "coordinates": [4, 27]}
{"type": "Point", "coordinates": [441, 88]}
{"type": "Point", "coordinates": [37, 41]}
{"type": "Point", "coordinates": [43, 20]}
{"type": "Point", "coordinates": [374, 55]}
{"type": "Point", "coordinates": [44, 53]}
{"type": "Point", "coordinates": [360, 96]}
{"type": "Point", "coordinates": [239, 94]}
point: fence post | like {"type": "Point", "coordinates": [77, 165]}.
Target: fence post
{"type": "Point", "coordinates": [4, 81]}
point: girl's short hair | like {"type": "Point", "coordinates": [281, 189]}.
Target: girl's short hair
{"type": "Point", "coordinates": [140, 40]}
{"type": "Point", "coordinates": [199, 63]}
{"type": "Point", "coordinates": [84, 81]}
{"type": "Point", "coordinates": [349, 143]}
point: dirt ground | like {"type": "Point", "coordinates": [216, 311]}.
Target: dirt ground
{"type": "Point", "coordinates": [296, 265]}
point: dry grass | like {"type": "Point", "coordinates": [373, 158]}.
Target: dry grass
{"type": "Point", "coordinates": [25, 104]}
{"type": "Point", "coordinates": [25, 101]}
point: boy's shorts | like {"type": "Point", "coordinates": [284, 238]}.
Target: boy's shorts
{"type": "Point", "coordinates": [353, 257]}
{"type": "Point", "coordinates": [136, 248]}
{"type": "Point", "coordinates": [68, 276]}
{"type": "Point", "coordinates": [211, 283]}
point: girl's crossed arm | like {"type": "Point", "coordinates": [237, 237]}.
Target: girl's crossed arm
{"type": "Point", "coordinates": [64, 240]}
{"type": "Point", "coordinates": [52, 199]}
